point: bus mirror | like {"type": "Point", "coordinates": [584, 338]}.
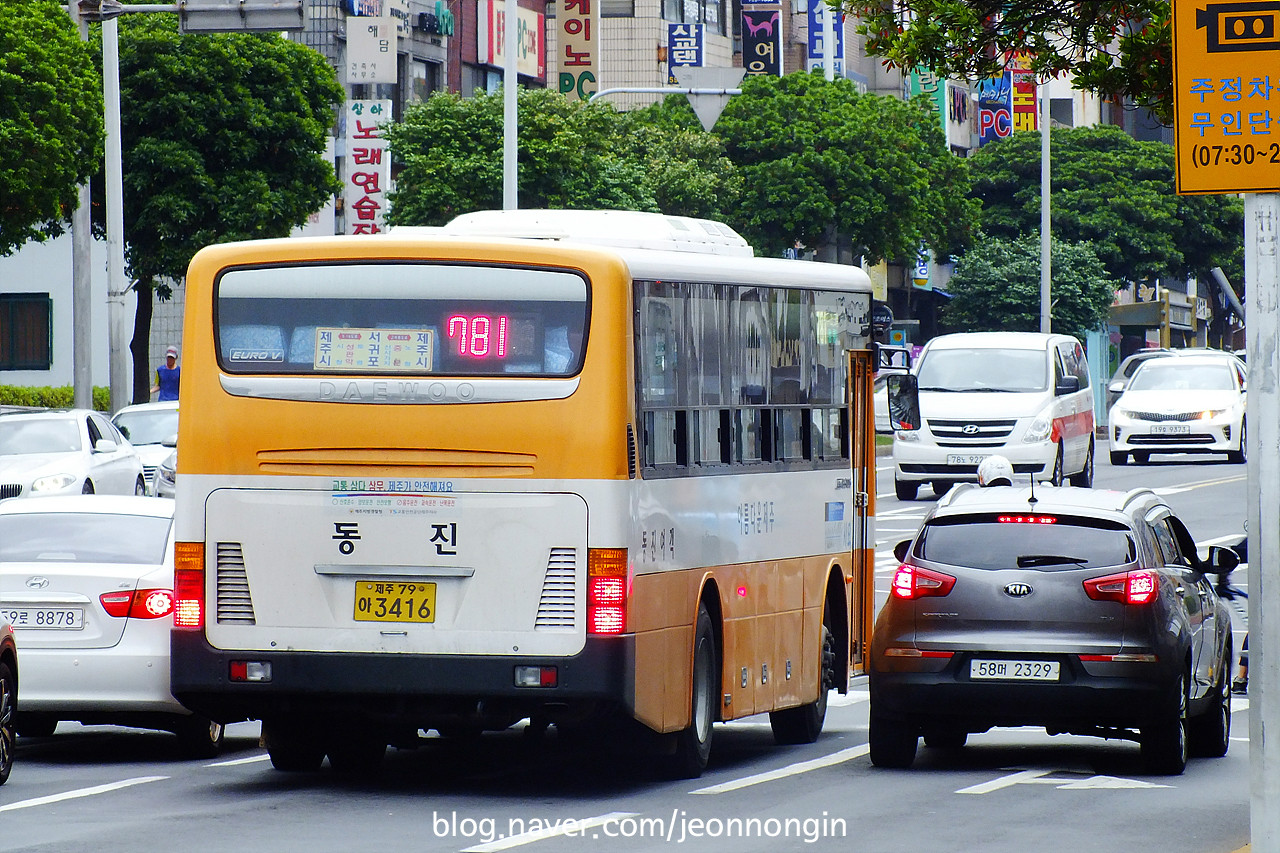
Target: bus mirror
{"type": "Point", "coordinates": [904, 401]}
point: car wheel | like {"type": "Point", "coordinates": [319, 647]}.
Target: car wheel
{"type": "Point", "coordinates": [357, 755]}
{"type": "Point", "coordinates": [1057, 477]}
{"type": "Point", "coordinates": [1085, 478]}
{"type": "Point", "coordinates": [946, 739]}
{"type": "Point", "coordinates": [1142, 457]}
{"type": "Point", "coordinates": [87, 488]}
{"type": "Point", "coordinates": [804, 724]}
{"type": "Point", "coordinates": [904, 490]}
{"type": "Point", "coordinates": [893, 743]}
{"type": "Point", "coordinates": [36, 725]}
{"type": "Point", "coordinates": [8, 734]}
{"type": "Point", "coordinates": [293, 746]}
{"type": "Point", "coordinates": [1238, 457]}
{"type": "Point", "coordinates": [199, 737]}
{"type": "Point", "coordinates": [1164, 740]}
{"type": "Point", "coordinates": [1211, 731]}
{"type": "Point", "coordinates": [1119, 457]}
{"type": "Point", "coordinates": [940, 487]}
{"type": "Point", "coordinates": [693, 745]}
{"type": "Point", "coordinates": [140, 487]}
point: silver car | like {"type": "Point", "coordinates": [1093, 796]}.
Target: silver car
{"type": "Point", "coordinates": [1084, 611]}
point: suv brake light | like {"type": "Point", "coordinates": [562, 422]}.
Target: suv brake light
{"type": "Point", "coordinates": [911, 582]}
{"type": "Point", "coordinates": [1135, 587]}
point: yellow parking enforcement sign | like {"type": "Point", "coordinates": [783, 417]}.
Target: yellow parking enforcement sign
{"type": "Point", "coordinates": [1226, 78]}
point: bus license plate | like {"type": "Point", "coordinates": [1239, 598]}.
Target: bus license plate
{"type": "Point", "coordinates": [395, 601]}
{"type": "Point", "coordinates": [1014, 670]}
{"type": "Point", "coordinates": [1171, 429]}
{"type": "Point", "coordinates": [58, 618]}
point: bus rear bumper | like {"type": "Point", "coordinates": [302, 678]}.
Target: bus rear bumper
{"type": "Point", "coordinates": [400, 689]}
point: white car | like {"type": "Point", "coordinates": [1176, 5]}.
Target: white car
{"type": "Point", "coordinates": [1188, 404]}
{"type": "Point", "coordinates": [152, 429]}
{"type": "Point", "coordinates": [166, 484]}
{"type": "Point", "coordinates": [65, 452]}
{"type": "Point", "coordinates": [87, 581]}
{"type": "Point", "coordinates": [8, 698]}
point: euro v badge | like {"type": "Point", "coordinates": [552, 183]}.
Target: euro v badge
{"type": "Point", "coordinates": [1226, 75]}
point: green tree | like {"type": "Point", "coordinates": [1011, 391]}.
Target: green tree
{"type": "Point", "coordinates": [1118, 50]}
{"type": "Point", "coordinates": [50, 119]}
{"type": "Point", "coordinates": [996, 288]}
{"type": "Point", "coordinates": [571, 155]}
{"type": "Point", "coordinates": [816, 157]}
{"type": "Point", "coordinates": [1116, 193]}
{"type": "Point", "coordinates": [223, 139]}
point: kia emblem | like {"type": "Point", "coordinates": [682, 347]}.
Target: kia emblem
{"type": "Point", "coordinates": [1018, 590]}
{"type": "Point", "coordinates": [37, 582]}
{"type": "Point", "coordinates": [970, 429]}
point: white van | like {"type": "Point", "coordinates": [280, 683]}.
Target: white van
{"type": "Point", "coordinates": [1023, 395]}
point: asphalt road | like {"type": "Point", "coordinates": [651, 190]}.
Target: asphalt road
{"type": "Point", "coordinates": [107, 789]}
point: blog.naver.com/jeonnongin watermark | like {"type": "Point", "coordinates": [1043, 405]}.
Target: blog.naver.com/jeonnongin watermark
{"type": "Point", "coordinates": [488, 834]}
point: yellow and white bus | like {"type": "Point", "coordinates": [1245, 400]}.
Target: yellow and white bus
{"type": "Point", "coordinates": [608, 467]}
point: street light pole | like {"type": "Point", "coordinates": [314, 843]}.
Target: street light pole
{"type": "Point", "coordinates": [1046, 255]}
{"type": "Point", "coordinates": [82, 279]}
{"type": "Point", "coordinates": [116, 286]}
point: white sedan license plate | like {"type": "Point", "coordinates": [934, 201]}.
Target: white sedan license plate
{"type": "Point", "coordinates": [1171, 429]}
{"type": "Point", "coordinates": [1014, 670]}
{"type": "Point", "coordinates": [56, 618]}
{"type": "Point", "coordinates": [965, 458]}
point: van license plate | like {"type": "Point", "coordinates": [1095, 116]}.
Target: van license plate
{"type": "Point", "coordinates": [1014, 670]}
{"type": "Point", "coordinates": [1171, 429]}
{"type": "Point", "coordinates": [395, 601]}
{"type": "Point", "coordinates": [965, 458]}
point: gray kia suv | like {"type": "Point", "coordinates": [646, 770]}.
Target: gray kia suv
{"type": "Point", "coordinates": [1084, 611]}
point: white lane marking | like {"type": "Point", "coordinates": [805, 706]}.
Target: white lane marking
{"type": "Point", "coordinates": [1218, 540]}
{"type": "Point", "coordinates": [790, 770]}
{"type": "Point", "coordinates": [1035, 777]}
{"type": "Point", "coordinates": [1238, 704]}
{"type": "Point", "coordinates": [80, 792]}
{"type": "Point", "coordinates": [565, 827]}
{"type": "Point", "coordinates": [1176, 490]}
{"type": "Point", "coordinates": [901, 512]}
{"type": "Point", "coordinates": [253, 759]}
{"type": "Point", "coordinates": [853, 697]}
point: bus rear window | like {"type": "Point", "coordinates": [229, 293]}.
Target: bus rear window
{"type": "Point", "coordinates": [401, 318]}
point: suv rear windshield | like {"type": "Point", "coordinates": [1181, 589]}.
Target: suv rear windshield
{"type": "Point", "coordinates": [401, 318]}
{"type": "Point", "coordinates": [1025, 540]}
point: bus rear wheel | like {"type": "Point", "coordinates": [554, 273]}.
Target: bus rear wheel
{"type": "Point", "coordinates": [804, 724]}
{"type": "Point", "coordinates": [294, 746]}
{"type": "Point", "coordinates": [693, 745]}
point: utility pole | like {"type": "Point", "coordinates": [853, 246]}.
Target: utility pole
{"type": "Point", "coordinates": [82, 279]}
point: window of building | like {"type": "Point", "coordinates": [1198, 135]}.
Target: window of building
{"type": "Point", "coordinates": [26, 331]}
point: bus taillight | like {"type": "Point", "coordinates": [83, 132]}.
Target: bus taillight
{"type": "Point", "coordinates": [606, 590]}
{"type": "Point", "coordinates": [188, 584]}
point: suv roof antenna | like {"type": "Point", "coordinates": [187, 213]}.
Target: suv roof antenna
{"type": "Point", "coordinates": [1032, 500]}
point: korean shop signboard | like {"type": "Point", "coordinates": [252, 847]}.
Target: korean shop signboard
{"type": "Point", "coordinates": [1226, 78]}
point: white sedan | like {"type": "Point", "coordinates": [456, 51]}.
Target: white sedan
{"type": "Point", "coordinates": [1188, 404]}
{"type": "Point", "coordinates": [152, 429]}
{"type": "Point", "coordinates": [64, 452]}
{"type": "Point", "coordinates": [87, 581]}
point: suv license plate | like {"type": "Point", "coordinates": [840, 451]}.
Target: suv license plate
{"type": "Point", "coordinates": [1171, 429]}
{"type": "Point", "coordinates": [1014, 670]}
{"type": "Point", "coordinates": [395, 601]}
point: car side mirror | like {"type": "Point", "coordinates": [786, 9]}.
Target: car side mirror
{"type": "Point", "coordinates": [1067, 385]}
{"type": "Point", "coordinates": [900, 550]}
{"type": "Point", "coordinates": [170, 440]}
{"type": "Point", "coordinates": [903, 392]}
{"type": "Point", "coordinates": [105, 445]}
{"type": "Point", "coordinates": [1222, 560]}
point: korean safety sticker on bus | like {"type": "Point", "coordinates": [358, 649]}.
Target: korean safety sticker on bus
{"type": "Point", "coordinates": [374, 349]}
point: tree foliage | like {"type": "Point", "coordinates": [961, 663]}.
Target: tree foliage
{"type": "Point", "coordinates": [1118, 50]}
{"type": "Point", "coordinates": [50, 119]}
{"type": "Point", "coordinates": [996, 287]}
{"type": "Point", "coordinates": [571, 154]}
{"type": "Point", "coordinates": [1116, 193]}
{"type": "Point", "coordinates": [816, 154]}
{"type": "Point", "coordinates": [223, 139]}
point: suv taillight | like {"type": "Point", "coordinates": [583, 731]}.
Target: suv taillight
{"type": "Point", "coordinates": [914, 582]}
{"type": "Point", "coordinates": [1134, 587]}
